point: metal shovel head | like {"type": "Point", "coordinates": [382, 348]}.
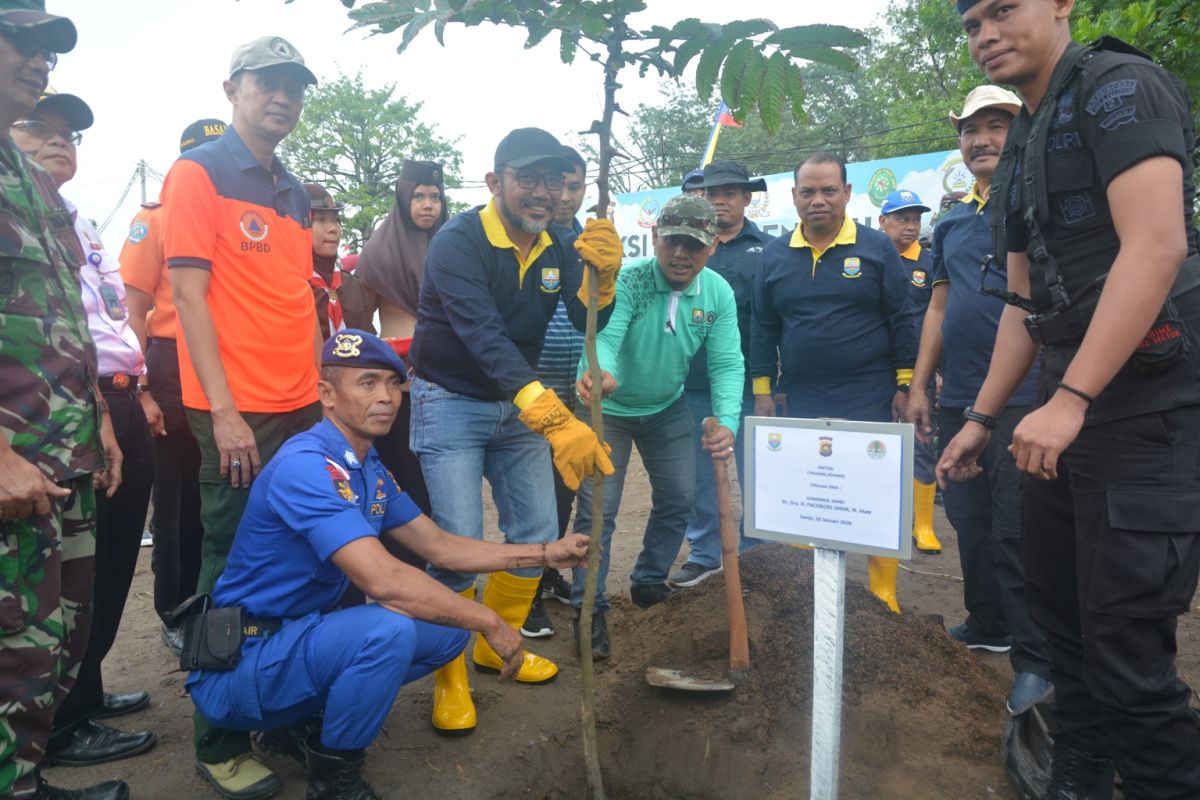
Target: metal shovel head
{"type": "Point", "coordinates": [674, 679]}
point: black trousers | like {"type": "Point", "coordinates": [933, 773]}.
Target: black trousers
{"type": "Point", "coordinates": [119, 524]}
{"type": "Point", "coordinates": [176, 522]}
{"type": "Point", "coordinates": [986, 515]}
{"type": "Point", "coordinates": [1112, 554]}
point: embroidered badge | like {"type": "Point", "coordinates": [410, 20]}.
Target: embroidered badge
{"type": "Point", "coordinates": [1076, 208]}
{"type": "Point", "coordinates": [710, 317]}
{"type": "Point", "coordinates": [550, 279]}
{"type": "Point", "coordinates": [253, 226]}
{"type": "Point", "coordinates": [851, 268]}
{"type": "Point", "coordinates": [1111, 96]}
{"type": "Point", "coordinates": [918, 277]}
{"type": "Point", "coordinates": [346, 345]}
{"type": "Point", "coordinates": [137, 232]}
{"type": "Point", "coordinates": [350, 458]}
{"type": "Point", "coordinates": [697, 316]}
{"type": "Point", "coordinates": [341, 480]}
{"type": "Point", "coordinates": [1066, 107]}
{"type": "Point", "coordinates": [380, 494]}
{"type": "Point", "coordinates": [1122, 116]}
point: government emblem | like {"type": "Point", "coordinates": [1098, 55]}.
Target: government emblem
{"type": "Point", "coordinates": [851, 268]}
{"type": "Point", "coordinates": [775, 441]}
{"type": "Point", "coordinates": [918, 277]}
{"type": "Point", "coordinates": [550, 279]}
{"type": "Point", "coordinates": [876, 449]}
{"type": "Point", "coordinates": [825, 446]}
{"type": "Point", "coordinates": [697, 316]}
{"type": "Point", "coordinates": [346, 345]}
{"type": "Point", "coordinates": [137, 232]}
{"type": "Point", "coordinates": [253, 226]}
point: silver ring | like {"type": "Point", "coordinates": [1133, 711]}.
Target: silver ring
{"type": "Point", "coordinates": [235, 464]}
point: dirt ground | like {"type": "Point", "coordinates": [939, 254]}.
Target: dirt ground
{"type": "Point", "coordinates": [922, 717]}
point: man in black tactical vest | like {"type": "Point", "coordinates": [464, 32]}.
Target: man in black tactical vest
{"type": "Point", "coordinates": [1094, 198]}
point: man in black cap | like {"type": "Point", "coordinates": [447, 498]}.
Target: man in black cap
{"type": "Point", "coordinates": [55, 430]}
{"type": "Point", "coordinates": [237, 242]}
{"type": "Point", "coordinates": [1095, 204]}
{"type": "Point", "coordinates": [737, 258]}
{"type": "Point", "coordinates": [321, 684]}
{"type": "Point", "coordinates": [493, 277]}
{"type": "Point", "coordinates": [176, 494]}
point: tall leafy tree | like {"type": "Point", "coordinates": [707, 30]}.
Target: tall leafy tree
{"type": "Point", "coordinates": [352, 139]}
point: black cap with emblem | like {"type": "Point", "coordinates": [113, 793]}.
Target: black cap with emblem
{"type": "Point", "coordinates": [319, 198]}
{"type": "Point", "coordinates": [428, 173]}
{"type": "Point", "coordinates": [361, 350]}
{"type": "Point", "coordinates": [199, 132]}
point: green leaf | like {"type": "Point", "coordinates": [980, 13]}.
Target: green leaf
{"type": "Point", "coordinates": [388, 16]}
{"type": "Point", "coordinates": [823, 35]}
{"type": "Point", "coordinates": [687, 51]}
{"type": "Point", "coordinates": [773, 92]}
{"type": "Point", "coordinates": [795, 91]}
{"type": "Point", "coordinates": [825, 55]}
{"type": "Point", "coordinates": [594, 26]}
{"type": "Point", "coordinates": [652, 59]}
{"type": "Point", "coordinates": [567, 44]}
{"type": "Point", "coordinates": [747, 27]}
{"type": "Point", "coordinates": [439, 30]}
{"type": "Point", "coordinates": [709, 65]}
{"type": "Point", "coordinates": [749, 85]}
{"type": "Point", "coordinates": [731, 71]}
{"type": "Point", "coordinates": [413, 28]}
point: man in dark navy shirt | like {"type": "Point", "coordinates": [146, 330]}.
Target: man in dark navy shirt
{"type": "Point", "coordinates": [321, 682]}
{"type": "Point", "coordinates": [960, 329]}
{"type": "Point", "coordinates": [493, 277]}
{"type": "Point", "coordinates": [738, 257]}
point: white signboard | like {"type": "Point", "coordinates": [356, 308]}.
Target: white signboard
{"type": "Point", "coordinates": [830, 483]}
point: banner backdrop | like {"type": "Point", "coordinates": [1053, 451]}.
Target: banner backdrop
{"type": "Point", "coordinates": [930, 175]}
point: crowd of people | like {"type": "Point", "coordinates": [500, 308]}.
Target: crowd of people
{"type": "Point", "coordinates": [315, 431]}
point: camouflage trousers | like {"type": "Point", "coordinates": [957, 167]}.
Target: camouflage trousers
{"type": "Point", "coordinates": [46, 570]}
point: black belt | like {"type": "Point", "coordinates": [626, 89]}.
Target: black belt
{"type": "Point", "coordinates": [260, 626]}
{"type": "Point", "coordinates": [118, 383]}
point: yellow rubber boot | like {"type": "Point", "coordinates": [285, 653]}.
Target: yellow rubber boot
{"type": "Point", "coordinates": [453, 709]}
{"type": "Point", "coordinates": [927, 541]}
{"type": "Point", "coordinates": [881, 573]}
{"type": "Point", "coordinates": [510, 596]}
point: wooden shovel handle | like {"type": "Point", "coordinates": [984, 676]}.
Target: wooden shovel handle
{"type": "Point", "coordinates": [739, 643]}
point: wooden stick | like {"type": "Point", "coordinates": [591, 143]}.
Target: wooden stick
{"type": "Point", "coordinates": [739, 643]}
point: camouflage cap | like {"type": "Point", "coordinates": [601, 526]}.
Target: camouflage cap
{"type": "Point", "coordinates": [56, 33]}
{"type": "Point", "coordinates": [269, 51]}
{"type": "Point", "coordinates": [688, 215]}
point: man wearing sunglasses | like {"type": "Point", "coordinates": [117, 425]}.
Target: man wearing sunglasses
{"type": "Point", "coordinates": [493, 277]}
{"type": "Point", "coordinates": [668, 308]}
{"type": "Point", "coordinates": [55, 431]}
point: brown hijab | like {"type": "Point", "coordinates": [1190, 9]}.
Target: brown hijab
{"type": "Point", "coordinates": [393, 259]}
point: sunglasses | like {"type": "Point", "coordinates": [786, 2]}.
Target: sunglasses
{"type": "Point", "coordinates": [28, 46]}
{"type": "Point", "coordinates": [553, 182]}
{"type": "Point", "coordinates": [45, 131]}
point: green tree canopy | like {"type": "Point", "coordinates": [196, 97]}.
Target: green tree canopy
{"type": "Point", "coordinates": [353, 139]}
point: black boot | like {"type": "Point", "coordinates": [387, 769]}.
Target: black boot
{"type": "Point", "coordinates": [109, 790]}
{"type": "Point", "coordinates": [289, 740]}
{"type": "Point", "coordinates": [601, 649]}
{"type": "Point", "coordinates": [1079, 775]}
{"type": "Point", "coordinates": [336, 776]}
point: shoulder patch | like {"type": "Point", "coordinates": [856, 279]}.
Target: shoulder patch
{"type": "Point", "coordinates": [137, 232]}
{"type": "Point", "coordinates": [1111, 96]}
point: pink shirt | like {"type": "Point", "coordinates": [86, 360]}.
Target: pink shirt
{"type": "Point", "coordinates": [103, 291]}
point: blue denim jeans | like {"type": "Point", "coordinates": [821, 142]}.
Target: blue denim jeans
{"type": "Point", "coordinates": [460, 441]}
{"type": "Point", "coordinates": [664, 441]}
{"type": "Point", "coordinates": [704, 525]}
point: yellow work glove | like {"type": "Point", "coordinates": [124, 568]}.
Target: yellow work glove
{"type": "Point", "coordinates": [576, 451]}
{"type": "Point", "coordinates": [600, 246]}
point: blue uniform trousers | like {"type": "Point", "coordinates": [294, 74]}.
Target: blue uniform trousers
{"type": "Point", "coordinates": [351, 663]}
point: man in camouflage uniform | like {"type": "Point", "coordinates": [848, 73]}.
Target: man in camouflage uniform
{"type": "Point", "coordinates": [54, 429]}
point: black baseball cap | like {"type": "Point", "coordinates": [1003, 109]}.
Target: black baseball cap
{"type": "Point", "coordinates": [319, 198]}
{"type": "Point", "coordinates": [199, 132]}
{"type": "Point", "coordinates": [76, 112]}
{"type": "Point", "coordinates": [423, 173]}
{"type": "Point", "coordinates": [56, 33]}
{"type": "Point", "coordinates": [729, 173]}
{"type": "Point", "coordinates": [526, 146]}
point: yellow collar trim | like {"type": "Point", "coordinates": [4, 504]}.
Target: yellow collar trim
{"type": "Point", "coordinates": [975, 197]}
{"type": "Point", "coordinates": [848, 234]}
{"type": "Point", "coordinates": [913, 252]}
{"type": "Point", "coordinates": [493, 227]}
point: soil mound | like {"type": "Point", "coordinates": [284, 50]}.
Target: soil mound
{"type": "Point", "coordinates": [920, 718]}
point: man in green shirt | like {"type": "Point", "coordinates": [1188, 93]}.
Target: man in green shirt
{"type": "Point", "coordinates": [667, 308]}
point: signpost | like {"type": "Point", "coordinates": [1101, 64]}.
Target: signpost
{"type": "Point", "coordinates": [838, 487]}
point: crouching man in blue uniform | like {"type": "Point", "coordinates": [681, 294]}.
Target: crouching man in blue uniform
{"type": "Point", "coordinates": [321, 682]}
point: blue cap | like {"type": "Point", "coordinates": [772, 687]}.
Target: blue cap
{"type": "Point", "coordinates": [695, 177]}
{"type": "Point", "coordinates": [355, 348]}
{"type": "Point", "coordinates": [902, 200]}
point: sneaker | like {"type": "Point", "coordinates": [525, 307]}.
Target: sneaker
{"type": "Point", "coordinates": [242, 777]}
{"type": "Point", "coordinates": [976, 641]}
{"type": "Point", "coordinates": [556, 587]}
{"type": "Point", "coordinates": [601, 647]}
{"type": "Point", "coordinates": [645, 595]}
{"type": "Point", "coordinates": [690, 574]}
{"type": "Point", "coordinates": [537, 624]}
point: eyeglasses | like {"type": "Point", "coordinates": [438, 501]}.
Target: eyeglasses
{"type": "Point", "coordinates": [45, 131]}
{"type": "Point", "coordinates": [28, 46]}
{"type": "Point", "coordinates": [553, 181]}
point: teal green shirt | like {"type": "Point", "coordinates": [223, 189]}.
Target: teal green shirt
{"type": "Point", "coordinates": [654, 333]}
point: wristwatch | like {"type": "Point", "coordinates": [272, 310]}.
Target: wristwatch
{"type": "Point", "coordinates": [971, 415]}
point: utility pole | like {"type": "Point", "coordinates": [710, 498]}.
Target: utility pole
{"type": "Point", "coordinates": [141, 171]}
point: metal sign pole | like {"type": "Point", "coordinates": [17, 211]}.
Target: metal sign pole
{"type": "Point", "coordinates": [829, 617]}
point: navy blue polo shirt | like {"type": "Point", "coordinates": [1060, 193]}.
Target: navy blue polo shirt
{"type": "Point", "coordinates": [962, 238]}
{"type": "Point", "coordinates": [482, 316]}
{"type": "Point", "coordinates": [737, 261]}
{"type": "Point", "coordinates": [313, 498]}
{"type": "Point", "coordinates": [918, 271]}
{"type": "Point", "coordinates": [841, 322]}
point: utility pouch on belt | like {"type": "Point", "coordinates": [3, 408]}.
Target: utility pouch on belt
{"type": "Point", "coordinates": [212, 637]}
